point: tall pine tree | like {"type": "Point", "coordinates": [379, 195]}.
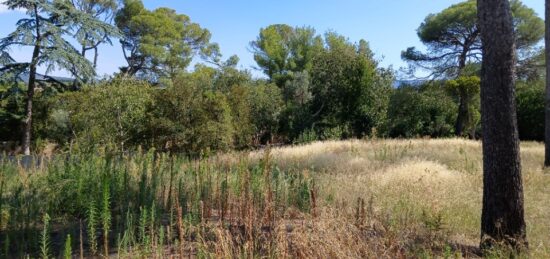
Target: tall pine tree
{"type": "Point", "coordinates": [47, 29]}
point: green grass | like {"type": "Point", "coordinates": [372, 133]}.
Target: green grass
{"type": "Point", "coordinates": [134, 198]}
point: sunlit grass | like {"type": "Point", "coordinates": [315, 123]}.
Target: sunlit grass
{"type": "Point", "coordinates": [345, 199]}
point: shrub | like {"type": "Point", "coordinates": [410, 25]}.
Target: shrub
{"type": "Point", "coordinates": [266, 104]}
{"type": "Point", "coordinates": [530, 110]}
{"type": "Point", "coordinates": [12, 110]}
{"type": "Point", "coordinates": [349, 89]}
{"type": "Point", "coordinates": [420, 112]}
{"type": "Point", "coordinates": [112, 113]}
{"type": "Point", "coordinates": [187, 118]}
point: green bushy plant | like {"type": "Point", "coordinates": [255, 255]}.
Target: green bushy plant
{"type": "Point", "coordinates": [112, 113]}
{"type": "Point", "coordinates": [530, 110]}
{"type": "Point", "coordinates": [417, 112]}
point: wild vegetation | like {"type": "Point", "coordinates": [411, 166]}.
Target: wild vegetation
{"type": "Point", "coordinates": [366, 198]}
{"type": "Point", "coordinates": [326, 155]}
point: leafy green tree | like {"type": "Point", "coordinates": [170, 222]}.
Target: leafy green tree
{"type": "Point", "coordinates": [466, 90]}
{"type": "Point", "coordinates": [453, 41]}
{"type": "Point", "coordinates": [348, 88]}
{"type": "Point", "coordinates": [119, 116]}
{"type": "Point", "coordinates": [191, 119]}
{"type": "Point", "coordinates": [160, 43]}
{"type": "Point", "coordinates": [453, 37]}
{"type": "Point", "coordinates": [46, 30]}
{"type": "Point", "coordinates": [530, 101]}
{"type": "Point", "coordinates": [266, 105]}
{"type": "Point", "coordinates": [420, 111]}
{"type": "Point", "coordinates": [298, 90]}
{"type": "Point", "coordinates": [296, 118]}
{"type": "Point", "coordinates": [281, 50]}
{"type": "Point", "coordinates": [236, 85]}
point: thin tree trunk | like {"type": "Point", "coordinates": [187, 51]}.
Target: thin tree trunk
{"type": "Point", "coordinates": [27, 130]}
{"type": "Point", "coordinates": [502, 217]}
{"type": "Point", "coordinates": [27, 127]}
{"type": "Point", "coordinates": [547, 110]}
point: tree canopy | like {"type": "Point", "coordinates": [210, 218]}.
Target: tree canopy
{"type": "Point", "coordinates": [161, 42]}
{"type": "Point", "coordinates": [453, 40]}
{"type": "Point", "coordinates": [281, 50]}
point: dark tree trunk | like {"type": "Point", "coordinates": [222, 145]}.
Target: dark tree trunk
{"type": "Point", "coordinates": [27, 123]}
{"type": "Point", "coordinates": [502, 217]}
{"type": "Point", "coordinates": [27, 128]}
{"type": "Point", "coordinates": [547, 110]}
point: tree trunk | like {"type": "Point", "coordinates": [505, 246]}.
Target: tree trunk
{"type": "Point", "coordinates": [27, 128]}
{"type": "Point", "coordinates": [547, 110]}
{"type": "Point", "coordinates": [502, 217]}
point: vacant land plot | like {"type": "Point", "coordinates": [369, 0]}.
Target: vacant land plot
{"type": "Point", "coordinates": [346, 199]}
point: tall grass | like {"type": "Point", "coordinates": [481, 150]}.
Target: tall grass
{"type": "Point", "coordinates": [130, 202]}
{"type": "Point", "coordinates": [334, 199]}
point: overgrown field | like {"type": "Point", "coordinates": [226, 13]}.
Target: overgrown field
{"type": "Point", "coordinates": [345, 199]}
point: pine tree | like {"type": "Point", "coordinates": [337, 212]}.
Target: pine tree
{"type": "Point", "coordinates": [47, 29]}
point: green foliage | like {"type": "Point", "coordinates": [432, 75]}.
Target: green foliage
{"type": "Point", "coordinates": [56, 22]}
{"type": "Point", "coordinates": [281, 50]}
{"type": "Point", "coordinates": [45, 238]}
{"type": "Point", "coordinates": [239, 99]}
{"type": "Point", "coordinates": [92, 221]}
{"type": "Point", "coordinates": [11, 111]}
{"type": "Point", "coordinates": [106, 213]}
{"type": "Point", "coordinates": [453, 39]}
{"type": "Point", "coordinates": [68, 250]}
{"type": "Point", "coordinates": [119, 115]}
{"type": "Point", "coordinates": [467, 84]}
{"type": "Point", "coordinates": [191, 119]}
{"type": "Point", "coordinates": [349, 90]}
{"type": "Point", "coordinates": [418, 112]}
{"type": "Point", "coordinates": [160, 43]}
{"type": "Point", "coordinates": [466, 90]}
{"type": "Point", "coordinates": [530, 109]}
{"type": "Point", "coordinates": [142, 192]}
{"type": "Point", "coordinates": [266, 105]}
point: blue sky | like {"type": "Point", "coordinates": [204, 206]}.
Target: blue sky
{"type": "Point", "coordinates": [388, 25]}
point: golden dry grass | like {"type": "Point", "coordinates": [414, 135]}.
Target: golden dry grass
{"type": "Point", "coordinates": [416, 182]}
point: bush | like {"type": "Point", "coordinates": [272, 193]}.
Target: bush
{"type": "Point", "coordinates": [113, 113]}
{"type": "Point", "coordinates": [266, 105]}
{"type": "Point", "coordinates": [189, 119]}
{"type": "Point", "coordinates": [349, 90]}
{"type": "Point", "coordinates": [530, 110]}
{"type": "Point", "coordinates": [417, 112]}
{"type": "Point", "coordinates": [12, 110]}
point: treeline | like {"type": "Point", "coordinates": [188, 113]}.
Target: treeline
{"type": "Point", "coordinates": [220, 109]}
{"type": "Point", "coordinates": [317, 87]}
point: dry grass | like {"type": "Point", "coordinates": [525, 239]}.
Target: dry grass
{"type": "Point", "coordinates": [338, 199]}
{"type": "Point", "coordinates": [414, 181]}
